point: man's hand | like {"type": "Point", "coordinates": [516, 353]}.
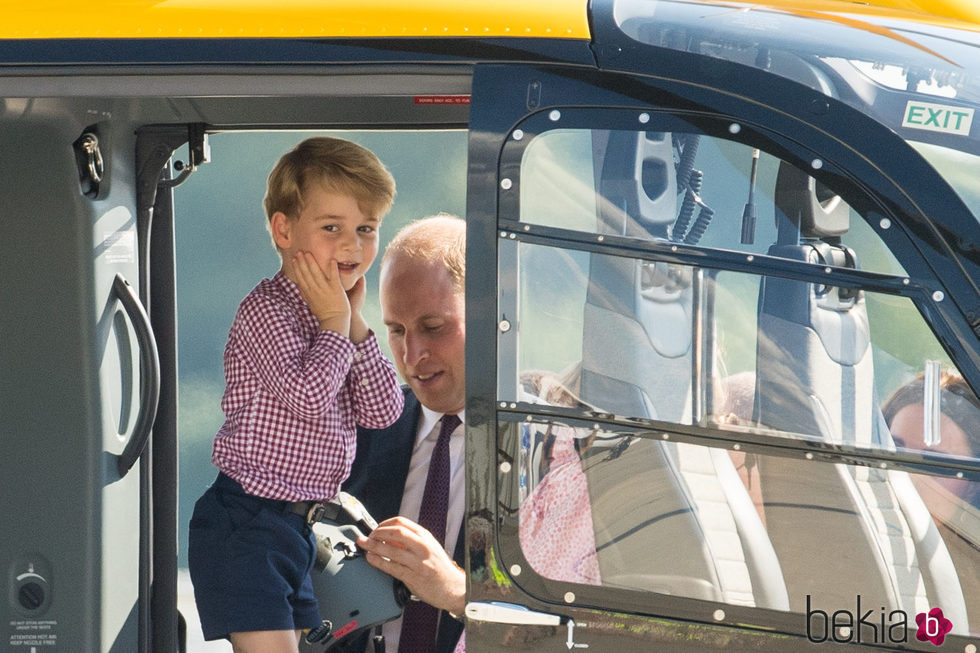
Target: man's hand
{"type": "Point", "coordinates": [402, 548]}
{"type": "Point", "coordinates": [323, 293]}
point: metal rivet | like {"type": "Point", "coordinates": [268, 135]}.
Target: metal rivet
{"type": "Point", "coordinates": [505, 467]}
{"type": "Point", "coordinates": [734, 128]}
{"type": "Point", "coordinates": [569, 597]}
{"type": "Point", "coordinates": [845, 633]}
{"type": "Point", "coordinates": [512, 236]}
{"type": "Point", "coordinates": [959, 474]}
{"type": "Point", "coordinates": [515, 570]}
{"type": "Point", "coordinates": [673, 248]}
{"type": "Point", "coordinates": [601, 238]}
{"type": "Point", "coordinates": [938, 296]}
{"type": "Point", "coordinates": [513, 405]}
{"type": "Point", "coordinates": [504, 326]}
{"type": "Point", "coordinates": [749, 258]}
{"type": "Point", "coordinates": [528, 418]}
{"type": "Point", "coordinates": [737, 447]}
{"type": "Point", "coordinates": [819, 107]}
{"type": "Point", "coordinates": [816, 164]}
{"type": "Point", "coordinates": [827, 270]}
{"type": "Point", "coordinates": [885, 223]}
{"type": "Point", "coordinates": [883, 465]}
{"type": "Point", "coordinates": [644, 118]}
{"type": "Point", "coordinates": [503, 404]}
{"type": "Point", "coordinates": [970, 648]}
{"type": "Point", "coordinates": [527, 227]}
{"type": "Point", "coordinates": [554, 116]}
{"type": "Point", "coordinates": [666, 436]}
{"type": "Point", "coordinates": [809, 456]}
{"type": "Point", "coordinates": [518, 134]}
{"type": "Point", "coordinates": [506, 184]}
{"type": "Point", "coordinates": [905, 282]}
{"type": "Point", "coordinates": [718, 614]}
{"type": "Point", "coordinates": [503, 234]}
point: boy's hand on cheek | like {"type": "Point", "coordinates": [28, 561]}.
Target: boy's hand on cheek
{"type": "Point", "coordinates": [358, 327]}
{"type": "Point", "coordinates": [323, 293]}
{"type": "Point", "coordinates": [356, 295]}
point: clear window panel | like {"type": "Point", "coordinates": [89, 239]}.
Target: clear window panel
{"type": "Point", "coordinates": [736, 351]}
{"type": "Point", "coordinates": [633, 511]}
{"type": "Point", "coordinates": [687, 188]}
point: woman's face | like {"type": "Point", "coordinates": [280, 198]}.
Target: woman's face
{"type": "Point", "coordinates": [907, 429]}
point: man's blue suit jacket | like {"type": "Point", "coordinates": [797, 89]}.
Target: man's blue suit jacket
{"type": "Point", "coordinates": [377, 479]}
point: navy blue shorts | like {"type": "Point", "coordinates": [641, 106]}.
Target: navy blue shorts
{"type": "Point", "coordinates": [250, 560]}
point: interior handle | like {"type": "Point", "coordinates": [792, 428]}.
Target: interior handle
{"type": "Point", "coordinates": [149, 378]}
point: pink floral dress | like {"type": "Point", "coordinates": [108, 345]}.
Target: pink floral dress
{"type": "Point", "coordinates": [556, 530]}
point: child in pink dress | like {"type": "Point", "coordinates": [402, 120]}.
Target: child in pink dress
{"type": "Point", "coordinates": [556, 531]}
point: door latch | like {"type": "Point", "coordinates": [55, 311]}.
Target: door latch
{"type": "Point", "coordinates": [510, 613]}
{"type": "Point", "coordinates": [519, 615]}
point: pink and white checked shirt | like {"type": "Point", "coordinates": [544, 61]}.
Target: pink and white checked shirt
{"type": "Point", "coordinates": [294, 395]}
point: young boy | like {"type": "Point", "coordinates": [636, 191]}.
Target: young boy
{"type": "Point", "coordinates": [302, 370]}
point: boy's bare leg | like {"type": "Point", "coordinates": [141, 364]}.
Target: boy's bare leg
{"type": "Point", "coordinates": [266, 641]}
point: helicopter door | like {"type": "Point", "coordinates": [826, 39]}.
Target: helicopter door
{"type": "Point", "coordinates": [77, 339]}
{"type": "Point", "coordinates": [628, 234]}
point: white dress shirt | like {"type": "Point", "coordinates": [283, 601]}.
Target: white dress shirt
{"type": "Point", "coordinates": [418, 470]}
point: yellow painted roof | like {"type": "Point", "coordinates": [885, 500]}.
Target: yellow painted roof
{"type": "Point", "coordinates": [937, 11]}
{"type": "Point", "coordinates": [61, 19]}
{"type": "Point", "coordinates": [294, 18]}
{"type": "Point", "coordinates": [966, 10]}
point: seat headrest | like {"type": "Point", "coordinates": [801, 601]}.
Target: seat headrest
{"type": "Point", "coordinates": [811, 206]}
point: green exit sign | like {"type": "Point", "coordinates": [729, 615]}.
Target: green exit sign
{"type": "Point", "coordinates": [937, 117]}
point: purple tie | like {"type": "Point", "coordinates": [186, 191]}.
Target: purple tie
{"type": "Point", "coordinates": [420, 620]}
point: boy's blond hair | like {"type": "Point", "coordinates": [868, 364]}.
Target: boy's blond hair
{"type": "Point", "coordinates": [441, 238]}
{"type": "Point", "coordinates": [340, 166]}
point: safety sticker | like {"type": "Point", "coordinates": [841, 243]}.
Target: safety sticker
{"type": "Point", "coordinates": [29, 636]}
{"type": "Point", "coordinates": [119, 246]}
{"type": "Point", "coordinates": [938, 118]}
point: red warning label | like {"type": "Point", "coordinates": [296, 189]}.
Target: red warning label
{"type": "Point", "coordinates": [442, 99]}
{"type": "Point", "coordinates": [345, 629]}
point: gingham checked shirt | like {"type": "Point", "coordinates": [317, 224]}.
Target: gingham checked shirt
{"type": "Point", "coordinates": [294, 395]}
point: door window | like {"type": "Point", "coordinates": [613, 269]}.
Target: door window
{"type": "Point", "coordinates": [772, 355]}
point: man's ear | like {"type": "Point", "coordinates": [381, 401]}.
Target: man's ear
{"type": "Point", "coordinates": [281, 227]}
